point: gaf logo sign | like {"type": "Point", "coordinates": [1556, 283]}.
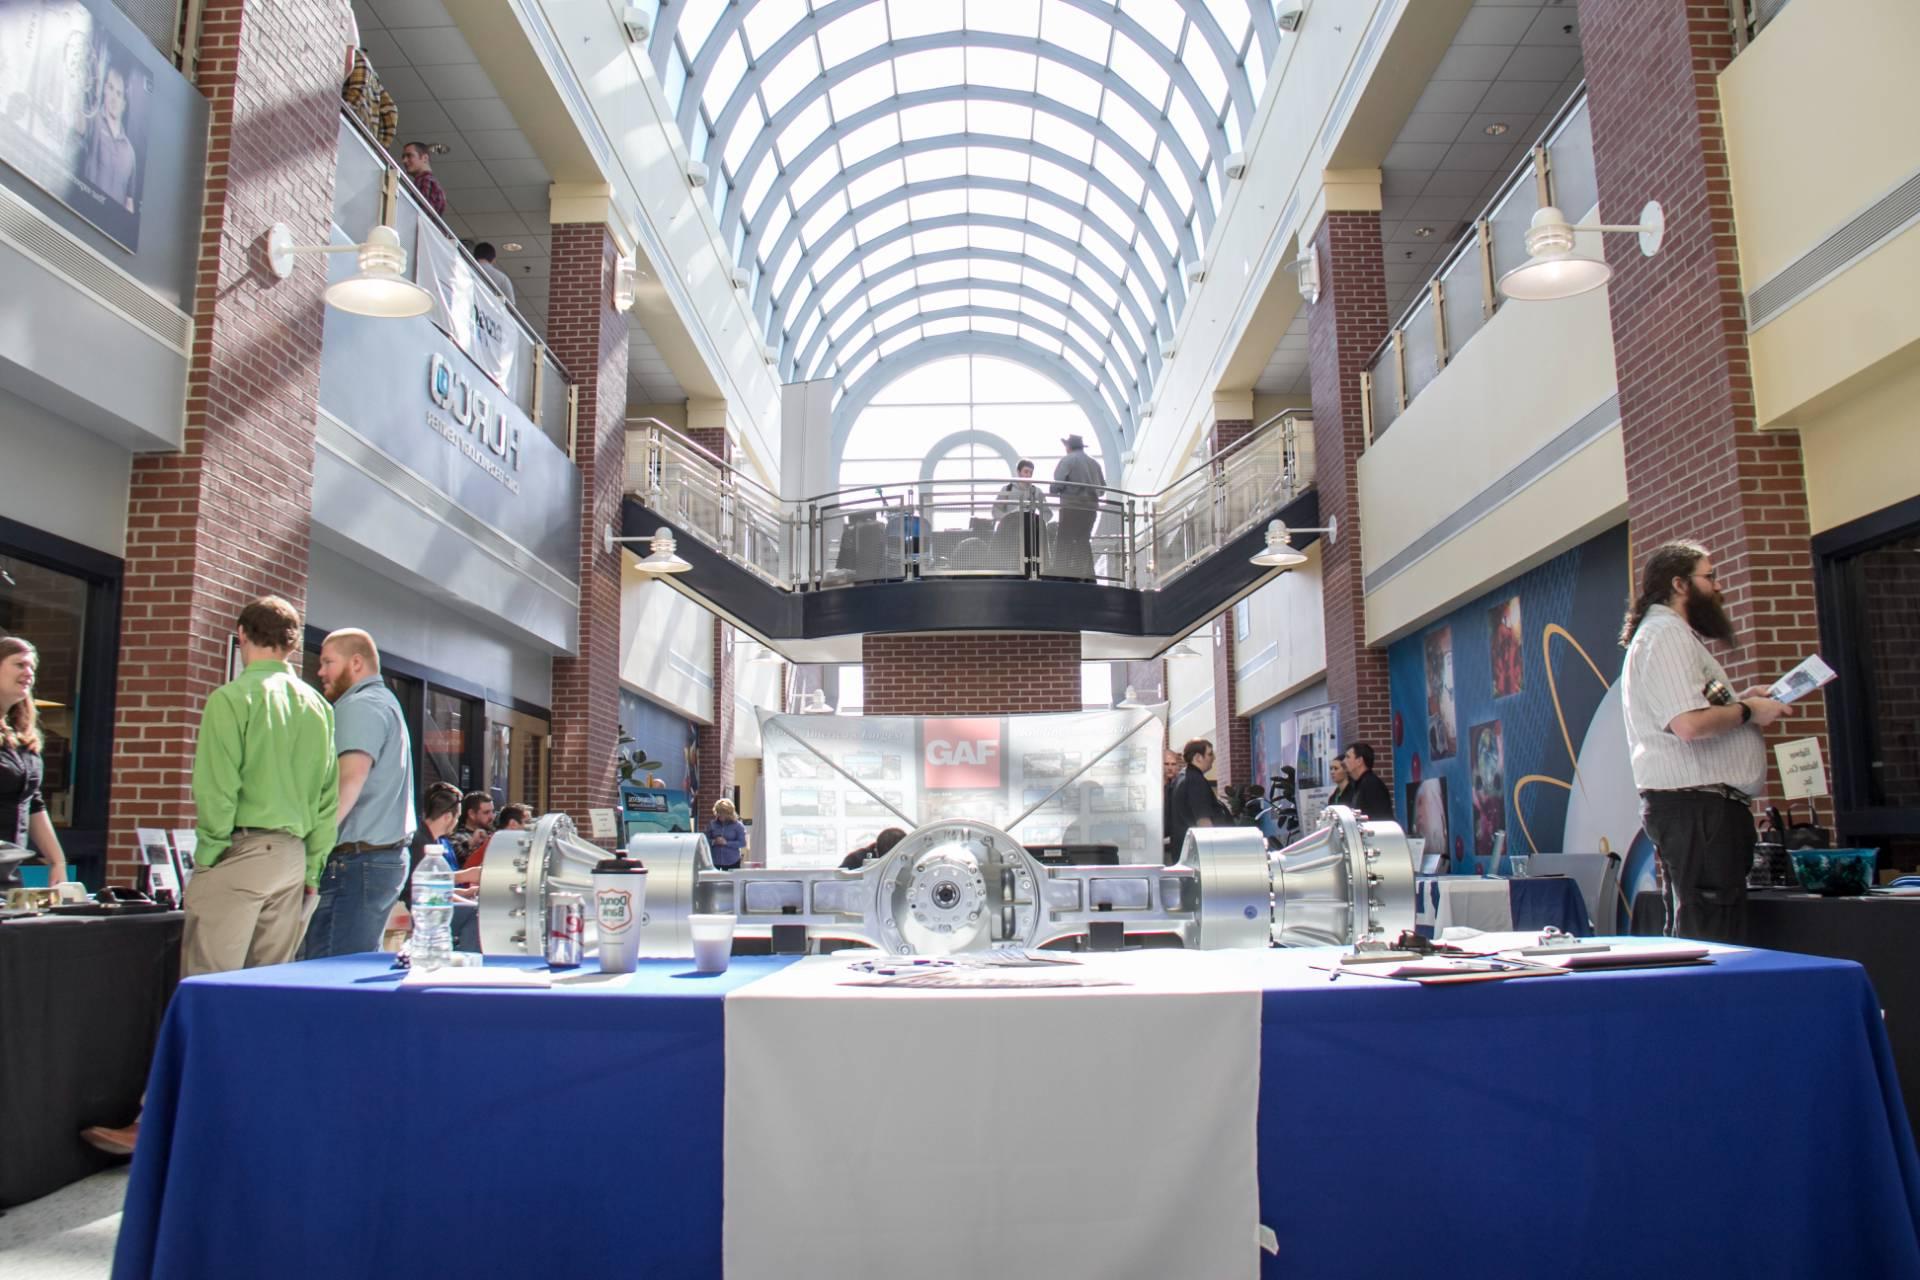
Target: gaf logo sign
{"type": "Point", "coordinates": [962, 754]}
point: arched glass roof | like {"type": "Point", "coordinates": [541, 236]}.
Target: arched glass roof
{"type": "Point", "coordinates": [1040, 171]}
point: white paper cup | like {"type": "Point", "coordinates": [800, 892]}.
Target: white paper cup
{"type": "Point", "coordinates": [712, 942]}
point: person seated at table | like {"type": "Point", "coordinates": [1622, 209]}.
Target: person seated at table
{"type": "Point", "coordinates": [726, 836]}
{"type": "Point", "coordinates": [881, 846]}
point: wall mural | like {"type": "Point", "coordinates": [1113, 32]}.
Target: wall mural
{"type": "Point", "coordinates": [1532, 669]}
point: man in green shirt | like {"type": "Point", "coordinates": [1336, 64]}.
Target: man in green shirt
{"type": "Point", "coordinates": [266, 788]}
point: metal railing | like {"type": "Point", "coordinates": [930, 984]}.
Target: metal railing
{"type": "Point", "coordinates": [369, 189]}
{"type": "Point", "coordinates": [1463, 295]}
{"type": "Point", "coordinates": [930, 529]}
{"type": "Point", "coordinates": [1749, 17]}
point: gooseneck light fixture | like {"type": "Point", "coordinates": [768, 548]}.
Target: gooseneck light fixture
{"type": "Point", "coordinates": [1553, 270]}
{"type": "Point", "coordinates": [1280, 553]}
{"type": "Point", "coordinates": [381, 289]}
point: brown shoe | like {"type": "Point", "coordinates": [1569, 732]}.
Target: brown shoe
{"type": "Point", "coordinates": [115, 1142]}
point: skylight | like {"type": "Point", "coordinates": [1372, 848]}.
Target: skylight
{"type": "Point", "coordinates": [1048, 165]}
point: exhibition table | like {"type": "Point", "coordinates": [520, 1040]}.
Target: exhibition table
{"type": "Point", "coordinates": [1496, 905]}
{"type": "Point", "coordinates": [1733, 1119]}
{"type": "Point", "coordinates": [81, 1000]}
{"type": "Point", "coordinates": [1879, 932]}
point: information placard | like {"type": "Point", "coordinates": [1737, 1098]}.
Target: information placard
{"type": "Point", "coordinates": [1802, 774]}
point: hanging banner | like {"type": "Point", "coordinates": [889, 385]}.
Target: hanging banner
{"type": "Point", "coordinates": [76, 91]}
{"type": "Point", "coordinates": [466, 308]}
{"type": "Point", "coordinates": [835, 782]}
{"type": "Point", "coordinates": [1317, 744]}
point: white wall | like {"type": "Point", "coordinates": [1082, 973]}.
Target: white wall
{"type": "Point", "coordinates": [666, 646]}
{"type": "Point", "coordinates": [1532, 375]}
{"type": "Point", "coordinates": [1190, 691]}
{"type": "Point", "coordinates": [343, 593]}
{"type": "Point", "coordinates": [756, 687]}
{"type": "Point", "coordinates": [62, 479]}
{"type": "Point", "coordinates": [1286, 644]}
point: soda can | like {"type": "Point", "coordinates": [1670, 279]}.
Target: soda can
{"type": "Point", "coordinates": [566, 930]}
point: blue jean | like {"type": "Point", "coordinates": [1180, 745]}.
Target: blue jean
{"type": "Point", "coordinates": [357, 890]}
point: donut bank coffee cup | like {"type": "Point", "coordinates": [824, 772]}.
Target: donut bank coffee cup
{"type": "Point", "coordinates": [619, 909]}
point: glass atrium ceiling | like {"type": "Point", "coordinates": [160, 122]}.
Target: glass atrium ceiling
{"type": "Point", "coordinates": [1032, 177]}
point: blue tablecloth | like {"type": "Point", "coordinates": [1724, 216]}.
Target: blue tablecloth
{"type": "Point", "coordinates": [1735, 1120]}
{"type": "Point", "coordinates": [309, 1120]}
{"type": "Point", "coordinates": [1738, 1120]}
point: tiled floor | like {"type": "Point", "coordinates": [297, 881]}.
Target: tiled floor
{"type": "Point", "coordinates": [68, 1235]}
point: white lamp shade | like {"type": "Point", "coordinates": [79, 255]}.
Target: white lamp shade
{"type": "Point", "coordinates": [663, 558]}
{"type": "Point", "coordinates": [1279, 553]}
{"type": "Point", "coordinates": [1552, 276]}
{"type": "Point", "coordinates": [380, 294]}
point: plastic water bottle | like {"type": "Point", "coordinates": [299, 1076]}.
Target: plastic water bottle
{"type": "Point", "coordinates": [431, 943]}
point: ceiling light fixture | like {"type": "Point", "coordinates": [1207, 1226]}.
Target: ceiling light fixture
{"type": "Point", "coordinates": [1495, 129]}
{"type": "Point", "coordinates": [1421, 233]}
{"type": "Point", "coordinates": [511, 246]}
{"type": "Point", "coordinates": [380, 289]}
{"type": "Point", "coordinates": [1553, 270]}
{"type": "Point", "coordinates": [1279, 551]}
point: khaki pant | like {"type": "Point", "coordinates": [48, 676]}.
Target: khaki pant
{"type": "Point", "coordinates": [247, 909]}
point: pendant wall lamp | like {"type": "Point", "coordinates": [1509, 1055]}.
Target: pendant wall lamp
{"type": "Point", "coordinates": [380, 289]}
{"type": "Point", "coordinates": [1553, 270]}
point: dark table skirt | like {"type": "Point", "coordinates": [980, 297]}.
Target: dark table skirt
{"type": "Point", "coordinates": [1881, 934]}
{"type": "Point", "coordinates": [81, 1002]}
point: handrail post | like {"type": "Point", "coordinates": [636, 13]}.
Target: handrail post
{"type": "Point", "coordinates": [1489, 297]}
{"type": "Point", "coordinates": [1441, 356]}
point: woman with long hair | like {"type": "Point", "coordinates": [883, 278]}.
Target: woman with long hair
{"type": "Point", "coordinates": [23, 810]}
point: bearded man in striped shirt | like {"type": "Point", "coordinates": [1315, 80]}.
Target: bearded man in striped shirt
{"type": "Point", "coordinates": [1698, 756]}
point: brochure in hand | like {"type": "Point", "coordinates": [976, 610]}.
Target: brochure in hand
{"type": "Point", "coordinates": [1802, 680]}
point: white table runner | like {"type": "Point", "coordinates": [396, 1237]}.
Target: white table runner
{"type": "Point", "coordinates": [969, 1134]}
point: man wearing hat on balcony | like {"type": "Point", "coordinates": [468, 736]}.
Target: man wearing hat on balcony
{"type": "Point", "coordinates": [1078, 481]}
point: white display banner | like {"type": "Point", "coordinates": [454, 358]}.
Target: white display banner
{"type": "Point", "coordinates": [1088, 777]}
{"type": "Point", "coordinates": [466, 308]}
{"type": "Point", "coordinates": [1089, 1131]}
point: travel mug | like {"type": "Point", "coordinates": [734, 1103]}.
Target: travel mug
{"type": "Point", "coordinates": [712, 942]}
{"type": "Point", "coordinates": [619, 907]}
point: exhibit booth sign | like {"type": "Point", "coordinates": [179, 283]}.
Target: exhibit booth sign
{"type": "Point", "coordinates": [1076, 778]}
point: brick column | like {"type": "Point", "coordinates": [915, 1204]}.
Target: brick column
{"type": "Point", "coordinates": [228, 518]}
{"type": "Point", "coordinates": [1343, 329]}
{"type": "Point", "coordinates": [1232, 737]}
{"type": "Point", "coordinates": [910, 674]}
{"type": "Point", "coordinates": [714, 741]}
{"type": "Point", "coordinates": [1697, 466]}
{"type": "Point", "coordinates": [589, 337]}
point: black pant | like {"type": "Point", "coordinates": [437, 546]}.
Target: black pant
{"type": "Point", "coordinates": [1706, 843]}
{"type": "Point", "coordinates": [1073, 550]}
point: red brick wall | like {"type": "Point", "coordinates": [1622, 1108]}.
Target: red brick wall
{"type": "Point", "coordinates": [1697, 468]}
{"type": "Point", "coordinates": [913, 675]}
{"type": "Point", "coordinates": [590, 339]}
{"type": "Point", "coordinates": [228, 517]}
{"type": "Point", "coordinates": [1343, 330]}
{"type": "Point", "coordinates": [1232, 742]}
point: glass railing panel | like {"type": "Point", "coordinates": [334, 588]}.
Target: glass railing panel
{"type": "Point", "coordinates": [1463, 300]}
{"type": "Point", "coordinates": [1386, 390]}
{"type": "Point", "coordinates": [1507, 223]}
{"type": "Point", "coordinates": [1422, 346]}
{"type": "Point", "coordinates": [553, 402]}
{"type": "Point", "coordinates": [1254, 479]}
{"type": "Point", "coordinates": [1087, 543]}
{"type": "Point", "coordinates": [358, 184]}
{"type": "Point", "coordinates": [1576, 188]}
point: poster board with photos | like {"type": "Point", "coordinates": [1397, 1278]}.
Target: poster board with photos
{"type": "Point", "coordinates": [832, 783]}
{"type": "Point", "coordinates": [76, 103]}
